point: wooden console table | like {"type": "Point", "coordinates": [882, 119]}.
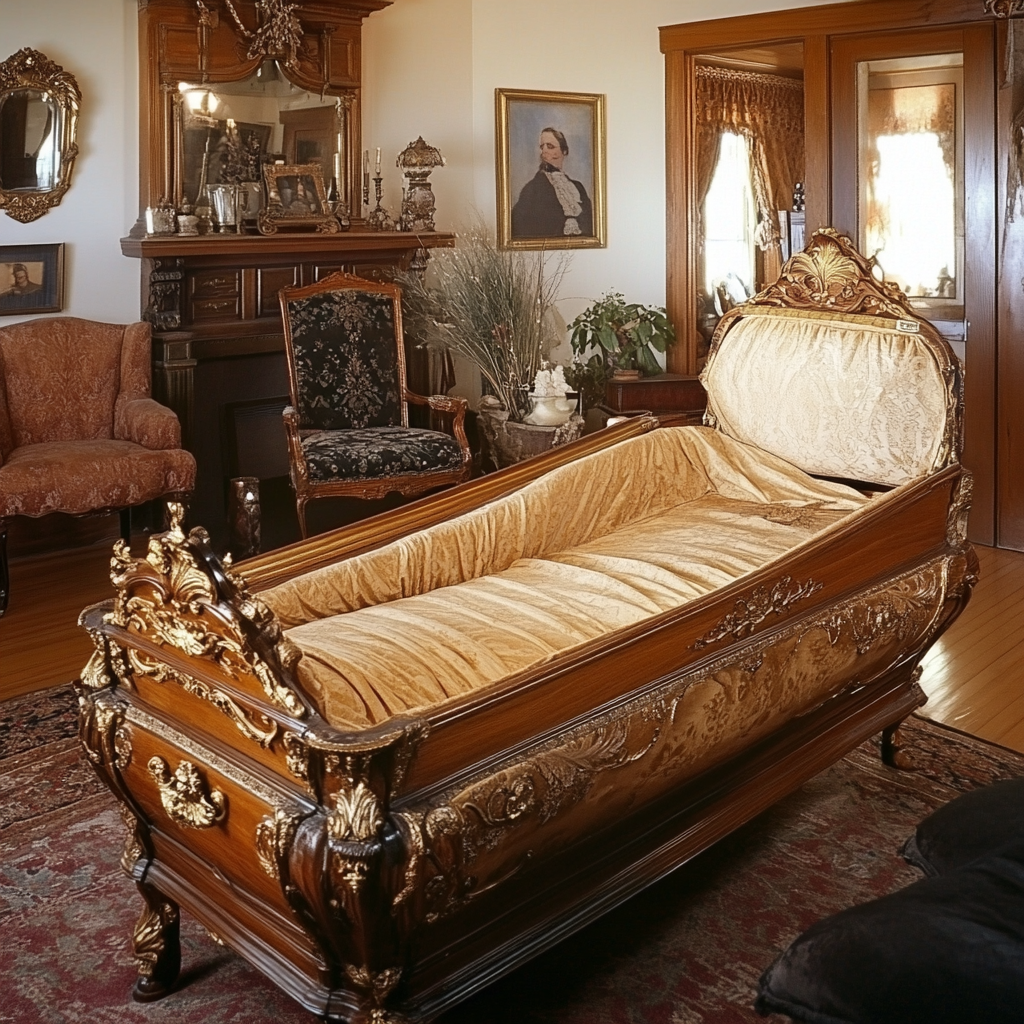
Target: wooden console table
{"type": "Point", "coordinates": [663, 393]}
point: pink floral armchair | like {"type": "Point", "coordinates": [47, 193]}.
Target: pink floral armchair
{"type": "Point", "coordinates": [79, 433]}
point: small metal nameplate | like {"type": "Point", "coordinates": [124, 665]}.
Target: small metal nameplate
{"type": "Point", "coordinates": [908, 326]}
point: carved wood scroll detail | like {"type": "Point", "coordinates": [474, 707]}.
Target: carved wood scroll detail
{"type": "Point", "coordinates": [1004, 8]}
{"type": "Point", "coordinates": [181, 596]}
{"type": "Point", "coordinates": [185, 796]}
{"type": "Point", "coordinates": [750, 612]}
{"type": "Point", "coordinates": [445, 840]}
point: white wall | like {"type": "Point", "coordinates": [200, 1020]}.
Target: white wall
{"type": "Point", "coordinates": [96, 41]}
{"type": "Point", "coordinates": [430, 67]}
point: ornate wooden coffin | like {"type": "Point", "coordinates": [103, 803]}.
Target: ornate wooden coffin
{"type": "Point", "coordinates": [391, 763]}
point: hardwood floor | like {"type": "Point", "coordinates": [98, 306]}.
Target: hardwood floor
{"type": "Point", "coordinates": [974, 675]}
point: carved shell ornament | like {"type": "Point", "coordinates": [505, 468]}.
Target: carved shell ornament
{"type": "Point", "coordinates": [830, 275]}
{"type": "Point", "coordinates": [1004, 8]}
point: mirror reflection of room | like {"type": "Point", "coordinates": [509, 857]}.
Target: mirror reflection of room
{"type": "Point", "coordinates": [230, 130]}
{"type": "Point", "coordinates": [911, 153]}
{"type": "Point", "coordinates": [28, 134]}
{"type": "Point", "coordinates": [749, 161]}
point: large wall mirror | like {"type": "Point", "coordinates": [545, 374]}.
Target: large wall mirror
{"type": "Point", "coordinates": [225, 132]}
{"type": "Point", "coordinates": [38, 120]}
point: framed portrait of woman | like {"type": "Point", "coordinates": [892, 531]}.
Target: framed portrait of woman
{"type": "Point", "coordinates": [551, 169]}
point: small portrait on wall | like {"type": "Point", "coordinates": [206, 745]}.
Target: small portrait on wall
{"type": "Point", "coordinates": [551, 169]}
{"type": "Point", "coordinates": [31, 279]}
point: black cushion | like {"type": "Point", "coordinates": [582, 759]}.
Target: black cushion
{"type": "Point", "coordinates": [378, 452]}
{"type": "Point", "coordinates": [946, 950]}
{"type": "Point", "coordinates": [968, 827]}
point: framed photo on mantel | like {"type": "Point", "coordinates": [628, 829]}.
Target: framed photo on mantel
{"type": "Point", "coordinates": [31, 279]}
{"type": "Point", "coordinates": [551, 169]}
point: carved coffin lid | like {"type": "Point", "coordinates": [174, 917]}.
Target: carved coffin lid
{"type": "Point", "coordinates": [835, 372]}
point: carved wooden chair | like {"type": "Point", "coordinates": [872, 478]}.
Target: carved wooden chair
{"type": "Point", "coordinates": [79, 433]}
{"type": "Point", "coordinates": [348, 423]}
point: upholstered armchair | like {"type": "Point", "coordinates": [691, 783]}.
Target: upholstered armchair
{"type": "Point", "coordinates": [79, 433]}
{"type": "Point", "coordinates": [348, 423]}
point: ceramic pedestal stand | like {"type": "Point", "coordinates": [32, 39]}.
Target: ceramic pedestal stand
{"type": "Point", "coordinates": [509, 442]}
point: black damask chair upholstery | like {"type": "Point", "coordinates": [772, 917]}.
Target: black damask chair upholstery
{"type": "Point", "coordinates": [348, 423]}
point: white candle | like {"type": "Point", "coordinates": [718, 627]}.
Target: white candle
{"type": "Point", "coordinates": [376, 169]}
{"type": "Point", "coordinates": [366, 162]}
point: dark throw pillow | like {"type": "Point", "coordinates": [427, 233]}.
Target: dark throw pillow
{"type": "Point", "coordinates": [946, 950]}
{"type": "Point", "coordinates": [968, 827]}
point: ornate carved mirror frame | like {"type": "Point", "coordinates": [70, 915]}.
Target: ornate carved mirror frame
{"type": "Point", "coordinates": [30, 78]}
{"type": "Point", "coordinates": [191, 44]}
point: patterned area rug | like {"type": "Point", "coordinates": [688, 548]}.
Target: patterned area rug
{"type": "Point", "coordinates": [689, 950]}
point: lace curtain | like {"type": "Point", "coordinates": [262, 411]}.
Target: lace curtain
{"type": "Point", "coordinates": [768, 111]}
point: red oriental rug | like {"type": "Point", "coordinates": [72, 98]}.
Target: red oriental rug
{"type": "Point", "coordinates": [689, 950]}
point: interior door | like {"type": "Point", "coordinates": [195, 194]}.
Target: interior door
{"type": "Point", "coordinates": [910, 109]}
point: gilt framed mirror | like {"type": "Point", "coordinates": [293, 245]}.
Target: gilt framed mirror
{"type": "Point", "coordinates": [39, 104]}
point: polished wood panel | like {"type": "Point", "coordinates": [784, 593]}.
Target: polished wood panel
{"type": "Point", "coordinates": [975, 42]}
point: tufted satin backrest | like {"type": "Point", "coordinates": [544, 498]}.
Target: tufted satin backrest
{"type": "Point", "coordinates": [856, 397]}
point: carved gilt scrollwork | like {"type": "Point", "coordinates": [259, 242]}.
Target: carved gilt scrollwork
{"type": "Point", "coordinates": [149, 937]}
{"type": "Point", "coordinates": [959, 509]}
{"type": "Point", "coordinates": [279, 33]}
{"type": "Point", "coordinates": [184, 795]}
{"type": "Point", "coordinates": [134, 847]}
{"type": "Point", "coordinates": [274, 838]}
{"type": "Point", "coordinates": [750, 612]}
{"type": "Point", "coordinates": [252, 725]}
{"type": "Point", "coordinates": [446, 840]}
{"type": "Point", "coordinates": [182, 597]}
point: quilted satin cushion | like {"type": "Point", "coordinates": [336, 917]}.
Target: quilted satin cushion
{"type": "Point", "coordinates": [378, 452]}
{"type": "Point", "coordinates": [971, 826]}
{"type": "Point", "coordinates": [836, 398]}
{"type": "Point", "coordinates": [946, 950]}
{"type": "Point", "coordinates": [80, 476]}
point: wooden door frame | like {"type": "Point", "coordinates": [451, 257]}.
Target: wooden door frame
{"type": "Point", "coordinates": [816, 27]}
{"type": "Point", "coordinates": [976, 43]}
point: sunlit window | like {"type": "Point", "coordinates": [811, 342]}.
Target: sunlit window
{"type": "Point", "coordinates": [911, 159]}
{"type": "Point", "coordinates": [729, 220]}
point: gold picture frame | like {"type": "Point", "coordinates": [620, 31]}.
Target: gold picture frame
{"type": "Point", "coordinates": [296, 198]}
{"type": "Point", "coordinates": [552, 191]}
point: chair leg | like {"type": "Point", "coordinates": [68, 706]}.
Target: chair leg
{"type": "Point", "coordinates": [5, 576]}
{"type": "Point", "coordinates": [300, 511]}
{"type": "Point", "coordinates": [126, 525]}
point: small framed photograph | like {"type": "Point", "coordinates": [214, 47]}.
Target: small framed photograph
{"type": "Point", "coordinates": [31, 279]}
{"type": "Point", "coordinates": [551, 169]}
{"type": "Point", "coordinates": [296, 198]}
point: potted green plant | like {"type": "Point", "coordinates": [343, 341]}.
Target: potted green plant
{"type": "Point", "coordinates": [612, 337]}
{"type": "Point", "coordinates": [496, 309]}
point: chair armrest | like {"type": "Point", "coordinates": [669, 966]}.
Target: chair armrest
{"type": "Point", "coordinates": [457, 407]}
{"type": "Point", "coordinates": [296, 460]}
{"type": "Point", "coordinates": [146, 422]}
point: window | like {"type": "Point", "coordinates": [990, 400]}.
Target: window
{"type": "Point", "coordinates": [729, 222]}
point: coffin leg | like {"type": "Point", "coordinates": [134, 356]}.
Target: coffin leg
{"type": "Point", "coordinates": [5, 576]}
{"type": "Point", "coordinates": [157, 945]}
{"type": "Point", "coordinates": [893, 753]}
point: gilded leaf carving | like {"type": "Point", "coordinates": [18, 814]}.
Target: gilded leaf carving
{"type": "Point", "coordinates": [185, 796]}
